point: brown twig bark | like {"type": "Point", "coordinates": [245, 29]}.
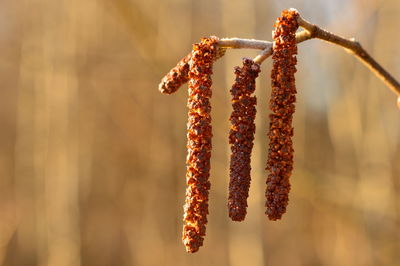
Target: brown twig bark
{"type": "Point", "coordinates": [352, 46]}
{"type": "Point", "coordinates": [238, 43]}
{"type": "Point", "coordinates": [313, 31]}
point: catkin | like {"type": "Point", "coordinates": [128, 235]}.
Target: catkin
{"type": "Point", "coordinates": [199, 143]}
{"type": "Point", "coordinates": [179, 75]}
{"type": "Point", "coordinates": [176, 77]}
{"type": "Point", "coordinates": [280, 154]}
{"type": "Point", "coordinates": [241, 137]}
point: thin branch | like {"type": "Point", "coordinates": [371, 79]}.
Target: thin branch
{"type": "Point", "coordinates": [237, 43]}
{"type": "Point", "coordinates": [263, 55]}
{"type": "Point", "coordinates": [265, 46]}
{"type": "Point", "coordinates": [313, 31]}
{"type": "Point", "coordinates": [353, 47]}
{"type": "Point", "coordinates": [300, 37]}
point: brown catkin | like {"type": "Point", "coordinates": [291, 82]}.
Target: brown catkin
{"type": "Point", "coordinates": [176, 77]}
{"type": "Point", "coordinates": [199, 143]}
{"type": "Point", "coordinates": [241, 137]}
{"type": "Point", "coordinates": [179, 75]}
{"type": "Point", "coordinates": [280, 154]}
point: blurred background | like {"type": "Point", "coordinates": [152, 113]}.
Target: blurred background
{"type": "Point", "coordinates": [92, 156]}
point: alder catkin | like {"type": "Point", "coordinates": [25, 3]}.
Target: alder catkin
{"type": "Point", "coordinates": [199, 143]}
{"type": "Point", "coordinates": [280, 154]}
{"type": "Point", "coordinates": [176, 77]}
{"type": "Point", "coordinates": [179, 75]}
{"type": "Point", "coordinates": [241, 137]}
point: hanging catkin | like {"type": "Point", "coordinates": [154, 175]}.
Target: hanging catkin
{"type": "Point", "coordinates": [179, 75]}
{"type": "Point", "coordinates": [241, 137]}
{"type": "Point", "coordinates": [176, 77]}
{"type": "Point", "coordinates": [199, 143]}
{"type": "Point", "coordinates": [280, 154]}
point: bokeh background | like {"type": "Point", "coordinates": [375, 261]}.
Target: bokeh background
{"type": "Point", "coordinates": [92, 156]}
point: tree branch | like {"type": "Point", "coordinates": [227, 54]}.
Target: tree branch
{"type": "Point", "coordinates": [353, 47]}
{"type": "Point", "coordinates": [238, 43]}
{"type": "Point", "coordinates": [313, 31]}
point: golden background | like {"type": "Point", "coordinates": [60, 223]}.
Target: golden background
{"type": "Point", "coordinates": [92, 156]}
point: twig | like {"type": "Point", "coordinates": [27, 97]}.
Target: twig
{"type": "Point", "coordinates": [237, 43]}
{"type": "Point", "coordinates": [267, 52]}
{"type": "Point", "coordinates": [265, 46]}
{"type": "Point", "coordinates": [263, 55]}
{"type": "Point", "coordinates": [313, 31]}
{"type": "Point", "coordinates": [353, 47]}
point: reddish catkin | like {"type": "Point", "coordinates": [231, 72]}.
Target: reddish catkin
{"type": "Point", "coordinates": [280, 154]}
{"type": "Point", "coordinates": [179, 75]}
{"type": "Point", "coordinates": [176, 77]}
{"type": "Point", "coordinates": [241, 137]}
{"type": "Point", "coordinates": [199, 143]}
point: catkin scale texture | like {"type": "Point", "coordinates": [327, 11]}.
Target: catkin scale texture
{"type": "Point", "coordinates": [176, 77]}
{"type": "Point", "coordinates": [280, 154]}
{"type": "Point", "coordinates": [241, 137]}
{"type": "Point", "coordinates": [199, 143]}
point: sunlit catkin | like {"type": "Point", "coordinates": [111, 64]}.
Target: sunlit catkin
{"type": "Point", "coordinates": [280, 154]}
{"type": "Point", "coordinates": [241, 137]}
{"type": "Point", "coordinates": [176, 77]}
{"type": "Point", "coordinates": [199, 143]}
